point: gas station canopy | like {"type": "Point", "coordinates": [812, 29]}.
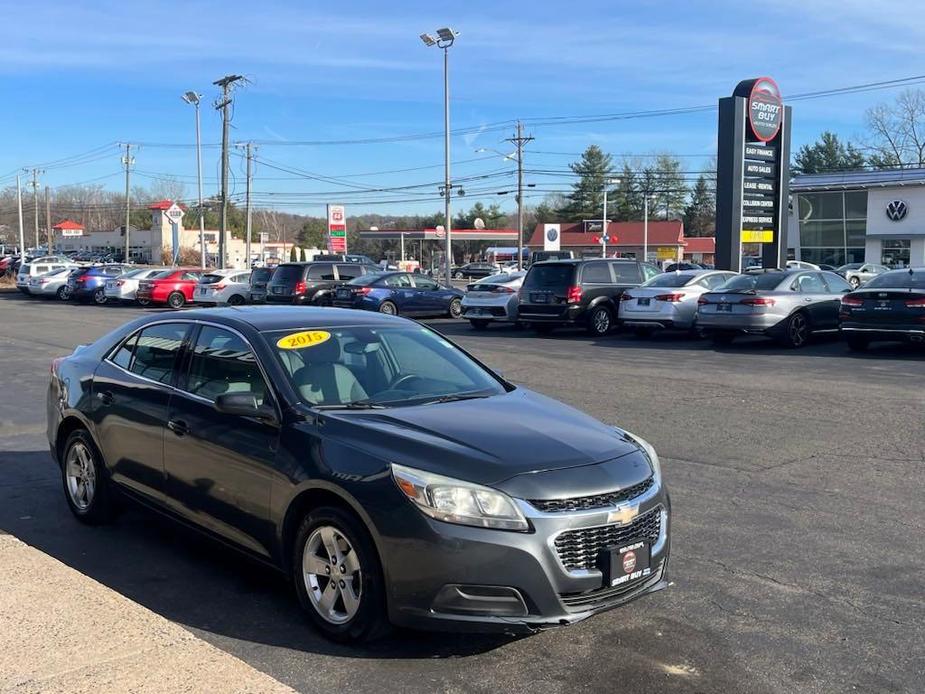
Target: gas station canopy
{"type": "Point", "coordinates": [497, 235]}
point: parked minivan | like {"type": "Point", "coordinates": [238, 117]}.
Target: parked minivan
{"type": "Point", "coordinates": [582, 293]}
{"type": "Point", "coordinates": [311, 283]}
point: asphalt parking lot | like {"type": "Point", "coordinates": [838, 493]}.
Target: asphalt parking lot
{"type": "Point", "coordinates": [798, 559]}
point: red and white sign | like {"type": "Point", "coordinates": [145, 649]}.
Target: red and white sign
{"type": "Point", "coordinates": [629, 562]}
{"type": "Point", "coordinates": [174, 213]}
{"type": "Point", "coordinates": [337, 229]}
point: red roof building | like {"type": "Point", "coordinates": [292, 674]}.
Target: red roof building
{"type": "Point", "coordinates": [68, 224]}
{"type": "Point", "coordinates": [665, 239]}
{"type": "Point", "coordinates": [164, 205]}
{"type": "Point", "coordinates": [700, 249]}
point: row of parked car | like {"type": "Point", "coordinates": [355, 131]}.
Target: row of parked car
{"type": "Point", "coordinates": [788, 304]}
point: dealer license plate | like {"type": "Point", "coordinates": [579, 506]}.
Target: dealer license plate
{"type": "Point", "coordinates": [644, 302]}
{"type": "Point", "coordinates": [724, 308]}
{"type": "Point", "coordinates": [539, 298]}
{"type": "Point", "coordinates": [344, 293]}
{"type": "Point", "coordinates": [629, 563]}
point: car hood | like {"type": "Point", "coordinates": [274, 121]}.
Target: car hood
{"type": "Point", "coordinates": [485, 440]}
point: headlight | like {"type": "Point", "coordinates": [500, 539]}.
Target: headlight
{"type": "Point", "coordinates": [650, 453]}
{"type": "Point", "coordinates": [455, 501]}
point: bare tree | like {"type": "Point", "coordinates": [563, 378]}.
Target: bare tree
{"type": "Point", "coordinates": [897, 131]}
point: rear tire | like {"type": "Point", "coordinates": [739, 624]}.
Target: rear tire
{"type": "Point", "coordinates": [796, 331]}
{"type": "Point", "coordinates": [857, 343]}
{"type": "Point", "coordinates": [236, 300]}
{"type": "Point", "coordinates": [478, 323]}
{"type": "Point", "coordinates": [143, 302]}
{"type": "Point", "coordinates": [86, 484]}
{"type": "Point", "coordinates": [176, 300]}
{"type": "Point", "coordinates": [600, 321]}
{"type": "Point", "coordinates": [388, 308]}
{"type": "Point", "coordinates": [855, 282]}
{"type": "Point", "coordinates": [62, 293]}
{"type": "Point", "coordinates": [99, 297]}
{"type": "Point", "coordinates": [351, 607]}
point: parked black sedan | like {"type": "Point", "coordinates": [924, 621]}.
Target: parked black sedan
{"type": "Point", "coordinates": [475, 270]}
{"type": "Point", "coordinates": [890, 307]}
{"type": "Point", "coordinates": [394, 477]}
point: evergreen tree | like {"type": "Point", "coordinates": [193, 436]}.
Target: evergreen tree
{"type": "Point", "coordinates": [586, 201]}
{"type": "Point", "coordinates": [627, 198]}
{"type": "Point", "coordinates": [293, 258]}
{"type": "Point", "coordinates": [828, 153]}
{"type": "Point", "coordinates": [669, 188]}
{"type": "Point", "coordinates": [700, 213]}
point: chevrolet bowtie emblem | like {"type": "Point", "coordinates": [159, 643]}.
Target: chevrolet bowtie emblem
{"type": "Point", "coordinates": [623, 515]}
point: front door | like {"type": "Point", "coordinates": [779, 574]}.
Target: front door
{"type": "Point", "coordinates": [430, 297]}
{"type": "Point", "coordinates": [220, 467]}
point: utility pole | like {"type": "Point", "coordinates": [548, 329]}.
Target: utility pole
{"type": "Point", "coordinates": [127, 161]}
{"type": "Point", "coordinates": [48, 232]}
{"type": "Point", "coordinates": [247, 231]}
{"type": "Point", "coordinates": [35, 204]}
{"type": "Point", "coordinates": [222, 104]}
{"type": "Point", "coordinates": [520, 141]}
{"type": "Point", "coordinates": [22, 236]}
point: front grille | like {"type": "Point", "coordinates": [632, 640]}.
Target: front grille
{"type": "Point", "coordinates": [602, 597]}
{"type": "Point", "coordinates": [587, 503]}
{"type": "Point", "coordinates": [579, 549]}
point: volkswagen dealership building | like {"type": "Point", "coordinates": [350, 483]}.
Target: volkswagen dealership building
{"type": "Point", "coordinates": [861, 216]}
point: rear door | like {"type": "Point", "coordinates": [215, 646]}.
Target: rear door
{"type": "Point", "coordinates": [131, 393]}
{"type": "Point", "coordinates": [815, 299]}
{"type": "Point", "coordinates": [404, 294]}
{"type": "Point", "coordinates": [597, 280]}
{"type": "Point", "coordinates": [219, 467]}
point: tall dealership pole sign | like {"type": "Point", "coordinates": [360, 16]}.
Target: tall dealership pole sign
{"type": "Point", "coordinates": [337, 229]}
{"type": "Point", "coordinates": [752, 174]}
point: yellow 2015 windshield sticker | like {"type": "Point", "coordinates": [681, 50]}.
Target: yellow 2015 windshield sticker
{"type": "Point", "coordinates": [306, 338]}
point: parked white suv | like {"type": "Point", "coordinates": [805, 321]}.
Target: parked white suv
{"type": "Point", "coordinates": [39, 266]}
{"type": "Point", "coordinates": [230, 287]}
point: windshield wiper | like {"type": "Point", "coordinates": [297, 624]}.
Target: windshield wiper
{"type": "Point", "coordinates": [455, 397]}
{"type": "Point", "coordinates": [355, 405]}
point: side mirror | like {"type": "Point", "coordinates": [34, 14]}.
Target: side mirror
{"type": "Point", "coordinates": [244, 405]}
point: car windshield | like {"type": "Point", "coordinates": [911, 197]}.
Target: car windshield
{"type": "Point", "coordinates": [670, 279]}
{"type": "Point", "coordinates": [363, 367]}
{"type": "Point", "coordinates": [549, 275]}
{"type": "Point", "coordinates": [135, 273]}
{"type": "Point", "coordinates": [752, 282]}
{"type": "Point", "coordinates": [366, 280]}
{"type": "Point", "coordinates": [162, 275]}
{"type": "Point", "coordinates": [898, 279]}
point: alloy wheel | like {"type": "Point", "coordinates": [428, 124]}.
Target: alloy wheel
{"type": "Point", "coordinates": [797, 330]}
{"type": "Point", "coordinates": [455, 308]}
{"type": "Point", "coordinates": [600, 321]}
{"type": "Point", "coordinates": [854, 282]}
{"type": "Point", "coordinates": [332, 574]}
{"type": "Point", "coordinates": [176, 300]}
{"type": "Point", "coordinates": [81, 476]}
{"type": "Point", "coordinates": [99, 296]}
{"type": "Point", "coordinates": [388, 308]}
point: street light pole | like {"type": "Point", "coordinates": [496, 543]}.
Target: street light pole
{"type": "Point", "coordinates": [445, 39]}
{"type": "Point", "coordinates": [607, 182]}
{"type": "Point", "coordinates": [194, 98]}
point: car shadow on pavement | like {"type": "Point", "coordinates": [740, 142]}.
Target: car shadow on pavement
{"type": "Point", "coordinates": [217, 593]}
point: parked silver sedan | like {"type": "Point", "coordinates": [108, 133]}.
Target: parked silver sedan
{"type": "Point", "coordinates": [123, 287]}
{"type": "Point", "coordinates": [668, 301]}
{"type": "Point", "coordinates": [51, 284]}
{"type": "Point", "coordinates": [861, 274]}
{"type": "Point", "coordinates": [493, 299]}
{"type": "Point", "coordinates": [788, 305]}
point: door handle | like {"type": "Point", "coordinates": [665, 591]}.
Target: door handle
{"type": "Point", "coordinates": [807, 298]}
{"type": "Point", "coordinates": [105, 397]}
{"type": "Point", "coordinates": [178, 427]}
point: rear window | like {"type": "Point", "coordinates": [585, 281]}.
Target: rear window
{"type": "Point", "coordinates": [261, 274]}
{"type": "Point", "coordinates": [898, 279]}
{"type": "Point", "coordinates": [549, 275]}
{"type": "Point", "coordinates": [349, 272]}
{"type": "Point", "coordinates": [287, 274]}
{"type": "Point", "coordinates": [211, 279]}
{"type": "Point", "coordinates": [670, 279]}
{"type": "Point", "coordinates": [163, 275]}
{"type": "Point", "coordinates": [744, 283]}
{"type": "Point", "coordinates": [366, 280]}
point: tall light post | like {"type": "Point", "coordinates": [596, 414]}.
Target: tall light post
{"type": "Point", "coordinates": [607, 183]}
{"type": "Point", "coordinates": [645, 226]}
{"type": "Point", "coordinates": [194, 98]}
{"type": "Point", "coordinates": [445, 38]}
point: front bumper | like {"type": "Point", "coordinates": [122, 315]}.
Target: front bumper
{"type": "Point", "coordinates": [476, 567]}
{"type": "Point", "coordinates": [487, 310]}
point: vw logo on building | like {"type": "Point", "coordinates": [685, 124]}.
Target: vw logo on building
{"type": "Point", "coordinates": [896, 210]}
{"type": "Point", "coordinates": [552, 233]}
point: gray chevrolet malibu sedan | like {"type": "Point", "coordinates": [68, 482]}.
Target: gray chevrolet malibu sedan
{"type": "Point", "coordinates": [788, 305]}
{"type": "Point", "coordinates": [392, 476]}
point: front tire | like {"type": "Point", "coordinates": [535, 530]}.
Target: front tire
{"type": "Point", "coordinates": [176, 300]}
{"type": "Point", "coordinates": [459, 276]}
{"type": "Point", "coordinates": [86, 486]}
{"type": "Point", "coordinates": [143, 302]}
{"type": "Point", "coordinates": [455, 310]}
{"type": "Point", "coordinates": [338, 576]}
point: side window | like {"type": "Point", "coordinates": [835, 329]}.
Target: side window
{"type": "Point", "coordinates": [123, 355]}
{"type": "Point", "coordinates": [223, 363]}
{"type": "Point", "coordinates": [349, 271]}
{"type": "Point", "coordinates": [41, 269]}
{"type": "Point", "coordinates": [398, 281]}
{"type": "Point", "coordinates": [317, 272]}
{"type": "Point", "coordinates": [243, 278]}
{"type": "Point", "coordinates": [596, 273]}
{"type": "Point", "coordinates": [113, 271]}
{"type": "Point", "coordinates": [194, 276]}
{"type": "Point", "coordinates": [713, 281]}
{"type": "Point", "coordinates": [811, 283]}
{"type": "Point", "coordinates": [424, 283]}
{"type": "Point", "coordinates": [157, 350]}
{"type": "Point", "coordinates": [837, 285]}
{"type": "Point", "coordinates": [649, 271]}
{"type": "Point", "coordinates": [627, 273]}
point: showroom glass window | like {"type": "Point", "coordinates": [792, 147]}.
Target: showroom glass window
{"type": "Point", "coordinates": [833, 227]}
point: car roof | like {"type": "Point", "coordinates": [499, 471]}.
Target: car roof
{"type": "Point", "coordinates": [270, 318]}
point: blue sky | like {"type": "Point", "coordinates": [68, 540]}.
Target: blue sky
{"type": "Point", "coordinates": [79, 75]}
